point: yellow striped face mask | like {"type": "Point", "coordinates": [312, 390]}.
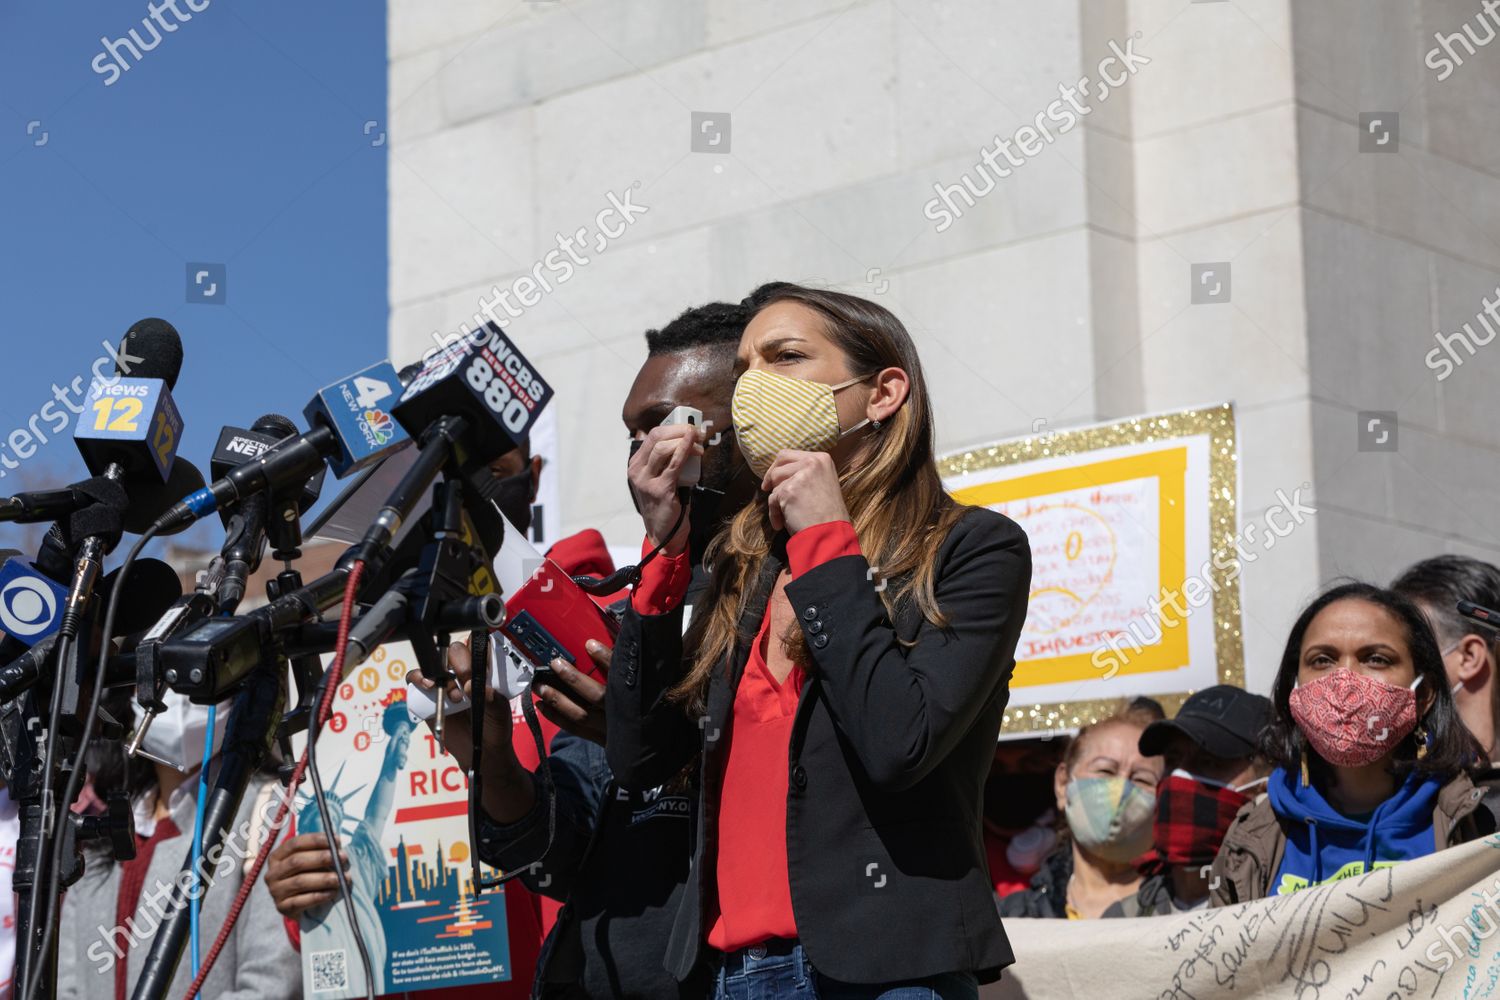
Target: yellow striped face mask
{"type": "Point", "coordinates": [774, 413]}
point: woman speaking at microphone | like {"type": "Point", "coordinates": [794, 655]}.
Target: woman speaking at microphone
{"type": "Point", "coordinates": [842, 683]}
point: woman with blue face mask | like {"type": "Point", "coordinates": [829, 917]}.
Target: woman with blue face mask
{"type": "Point", "coordinates": [842, 683]}
{"type": "Point", "coordinates": [1106, 792]}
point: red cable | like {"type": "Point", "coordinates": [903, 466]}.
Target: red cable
{"type": "Point", "coordinates": [325, 708]}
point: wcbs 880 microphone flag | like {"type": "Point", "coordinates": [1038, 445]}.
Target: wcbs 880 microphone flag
{"type": "Point", "coordinates": [484, 379]}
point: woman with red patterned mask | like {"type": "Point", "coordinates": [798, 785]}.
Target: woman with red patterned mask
{"type": "Point", "coordinates": [1370, 755]}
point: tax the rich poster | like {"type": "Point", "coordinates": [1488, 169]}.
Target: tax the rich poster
{"type": "Point", "coordinates": [400, 803]}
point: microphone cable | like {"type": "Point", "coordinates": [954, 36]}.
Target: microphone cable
{"type": "Point", "coordinates": [629, 576]}
{"type": "Point", "coordinates": [195, 893]}
{"type": "Point", "coordinates": [332, 831]}
{"type": "Point", "coordinates": [333, 677]}
{"type": "Point", "coordinates": [480, 651]}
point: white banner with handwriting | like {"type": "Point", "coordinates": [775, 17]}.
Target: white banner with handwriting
{"type": "Point", "coordinates": [1428, 928]}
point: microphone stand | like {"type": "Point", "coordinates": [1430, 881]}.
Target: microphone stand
{"type": "Point", "coordinates": [38, 774]}
{"type": "Point", "coordinates": [257, 715]}
{"type": "Point", "coordinates": [29, 788]}
{"type": "Point", "coordinates": [257, 720]}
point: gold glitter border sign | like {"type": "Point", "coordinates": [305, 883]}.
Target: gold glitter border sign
{"type": "Point", "coordinates": [1217, 423]}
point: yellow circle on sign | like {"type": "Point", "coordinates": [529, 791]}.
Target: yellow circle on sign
{"type": "Point", "coordinates": [379, 654]}
{"type": "Point", "coordinates": [369, 680]}
{"type": "Point", "coordinates": [396, 670]}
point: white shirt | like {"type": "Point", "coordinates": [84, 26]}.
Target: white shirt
{"type": "Point", "coordinates": [144, 806]}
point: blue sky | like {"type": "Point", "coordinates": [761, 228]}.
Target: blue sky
{"type": "Point", "coordinates": [240, 140]}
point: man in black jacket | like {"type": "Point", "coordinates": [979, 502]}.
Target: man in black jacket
{"type": "Point", "coordinates": [618, 859]}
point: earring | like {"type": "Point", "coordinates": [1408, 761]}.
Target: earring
{"type": "Point", "coordinates": [1421, 742]}
{"type": "Point", "coordinates": [874, 425]}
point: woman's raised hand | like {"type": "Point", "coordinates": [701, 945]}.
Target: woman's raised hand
{"type": "Point", "coordinates": [804, 491]}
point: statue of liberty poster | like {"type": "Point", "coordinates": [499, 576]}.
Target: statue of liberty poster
{"type": "Point", "coordinates": [399, 802]}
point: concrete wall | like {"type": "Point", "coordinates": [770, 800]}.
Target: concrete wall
{"type": "Point", "coordinates": [1398, 246]}
{"type": "Point", "coordinates": [1064, 295]}
{"type": "Point", "coordinates": [1212, 143]}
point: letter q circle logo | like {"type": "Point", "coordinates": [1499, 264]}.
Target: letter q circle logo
{"type": "Point", "coordinates": [27, 607]}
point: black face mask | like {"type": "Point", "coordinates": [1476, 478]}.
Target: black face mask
{"type": "Point", "coordinates": [512, 494]}
{"type": "Point", "coordinates": [635, 446]}
{"type": "Point", "coordinates": [705, 517]}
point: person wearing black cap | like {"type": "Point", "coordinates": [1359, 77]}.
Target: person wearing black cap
{"type": "Point", "coordinates": [1212, 759]}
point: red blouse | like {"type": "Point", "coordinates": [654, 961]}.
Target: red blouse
{"type": "Point", "coordinates": [753, 902]}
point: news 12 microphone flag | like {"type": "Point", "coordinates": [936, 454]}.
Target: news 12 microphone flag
{"type": "Point", "coordinates": [1135, 573]}
{"type": "Point", "coordinates": [401, 802]}
{"type": "Point", "coordinates": [135, 411]}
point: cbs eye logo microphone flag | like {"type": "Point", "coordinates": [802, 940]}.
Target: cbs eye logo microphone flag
{"type": "Point", "coordinates": [30, 604]}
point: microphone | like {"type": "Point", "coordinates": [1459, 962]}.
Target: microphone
{"type": "Point", "coordinates": [117, 439]}
{"type": "Point", "coordinates": [154, 586]}
{"type": "Point", "coordinates": [237, 446]}
{"type": "Point", "coordinates": [364, 433]}
{"type": "Point", "coordinates": [348, 431]}
{"type": "Point", "coordinates": [147, 499]}
{"type": "Point", "coordinates": [31, 603]}
{"type": "Point", "coordinates": [475, 400]}
{"type": "Point", "coordinates": [40, 505]}
{"type": "Point", "coordinates": [485, 380]}
{"type": "Point", "coordinates": [54, 562]}
{"type": "Point", "coordinates": [455, 418]}
{"type": "Point", "coordinates": [246, 539]}
{"type": "Point", "coordinates": [131, 425]}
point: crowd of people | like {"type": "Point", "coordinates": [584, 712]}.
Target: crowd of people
{"type": "Point", "coordinates": [813, 669]}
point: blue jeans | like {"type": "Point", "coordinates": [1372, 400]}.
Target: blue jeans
{"type": "Point", "coordinates": [779, 970]}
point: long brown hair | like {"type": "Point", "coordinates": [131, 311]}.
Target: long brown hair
{"type": "Point", "coordinates": [900, 510]}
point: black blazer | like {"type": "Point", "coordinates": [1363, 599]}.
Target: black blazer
{"type": "Point", "coordinates": [889, 751]}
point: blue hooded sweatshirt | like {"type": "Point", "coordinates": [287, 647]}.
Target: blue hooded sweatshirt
{"type": "Point", "coordinates": [1323, 845]}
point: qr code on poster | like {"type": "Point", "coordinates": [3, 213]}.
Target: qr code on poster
{"type": "Point", "coordinates": [330, 971]}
